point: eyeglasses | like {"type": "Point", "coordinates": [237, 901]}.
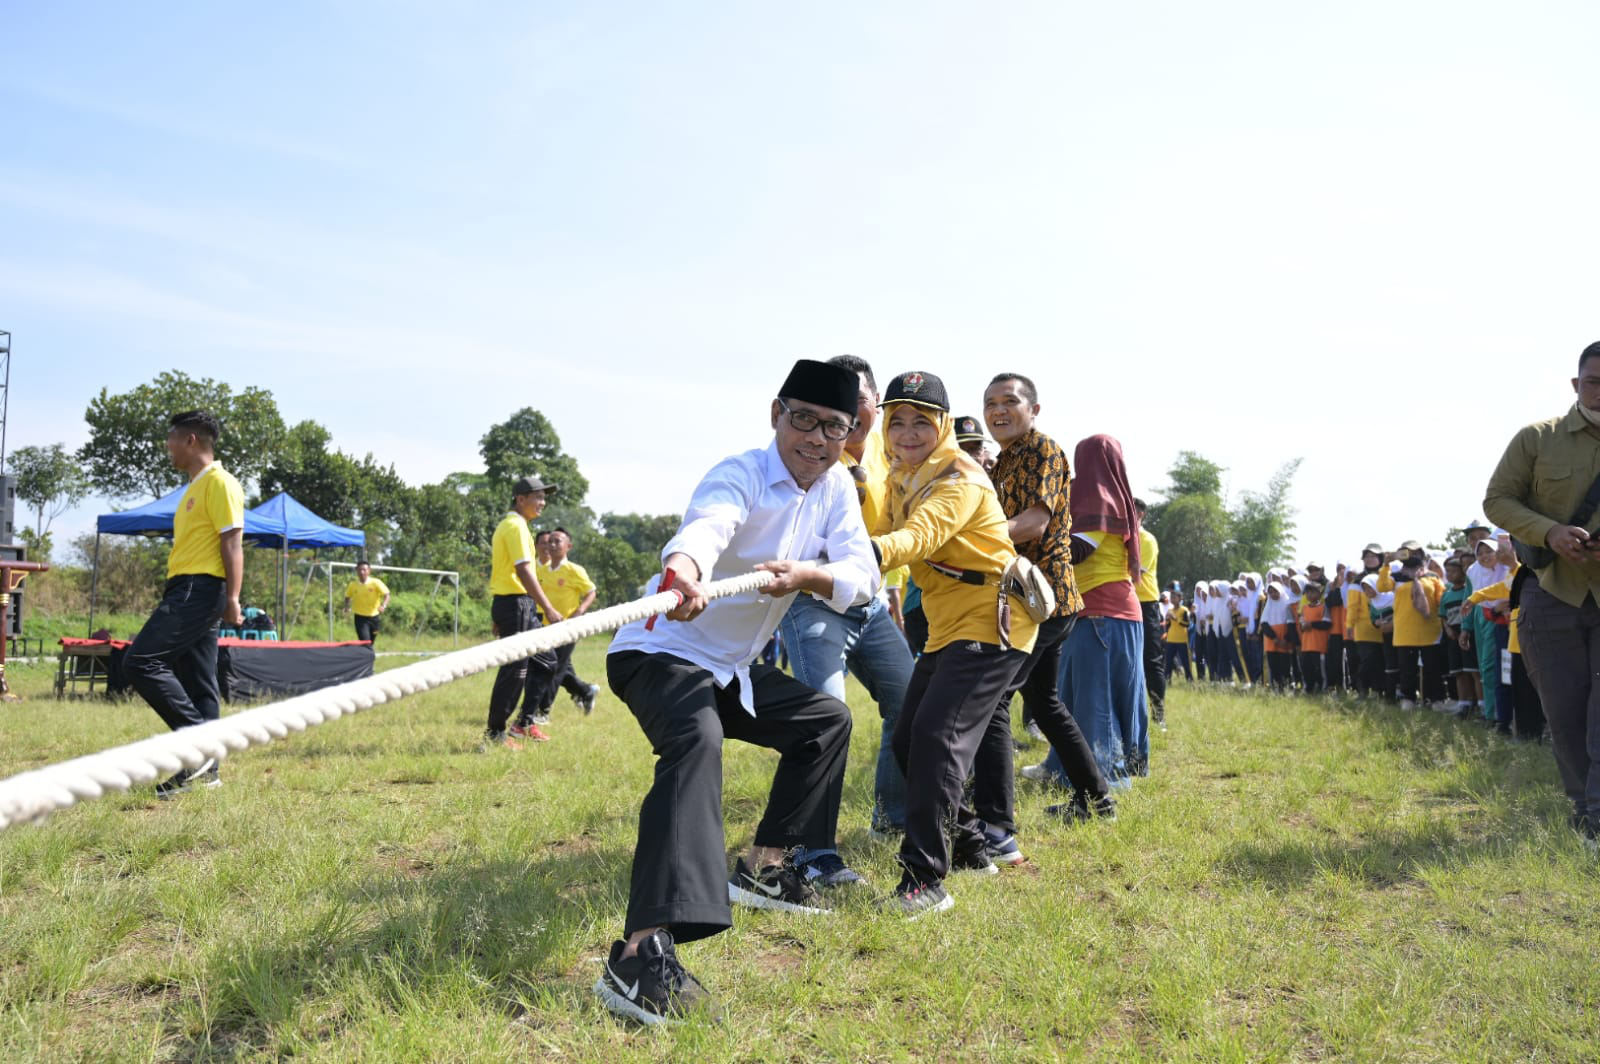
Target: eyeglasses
{"type": "Point", "coordinates": [806, 421]}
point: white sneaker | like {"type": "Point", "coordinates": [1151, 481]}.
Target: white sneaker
{"type": "Point", "coordinates": [1035, 772]}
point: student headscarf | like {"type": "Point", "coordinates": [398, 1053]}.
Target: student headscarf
{"type": "Point", "coordinates": [1277, 610]}
{"type": "Point", "coordinates": [910, 485]}
{"type": "Point", "coordinates": [1102, 501]}
{"type": "Point", "coordinates": [1369, 586]}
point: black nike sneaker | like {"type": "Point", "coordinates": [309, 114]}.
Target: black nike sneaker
{"type": "Point", "coordinates": [651, 986]}
{"type": "Point", "coordinates": [1083, 808]}
{"type": "Point", "coordinates": [914, 900]}
{"type": "Point", "coordinates": [780, 886]}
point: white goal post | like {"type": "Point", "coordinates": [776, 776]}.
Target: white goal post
{"type": "Point", "coordinates": [440, 576]}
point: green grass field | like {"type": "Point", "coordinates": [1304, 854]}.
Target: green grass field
{"type": "Point", "coordinates": [1297, 880]}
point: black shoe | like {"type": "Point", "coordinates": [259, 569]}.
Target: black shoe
{"type": "Point", "coordinates": [651, 986]}
{"type": "Point", "coordinates": [1138, 766]}
{"type": "Point", "coordinates": [915, 900]}
{"type": "Point", "coordinates": [587, 701]}
{"type": "Point", "coordinates": [974, 861]}
{"type": "Point", "coordinates": [780, 886]}
{"type": "Point", "coordinates": [188, 779]}
{"type": "Point", "coordinates": [1084, 808]}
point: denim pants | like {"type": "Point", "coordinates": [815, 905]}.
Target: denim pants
{"type": "Point", "coordinates": [864, 639]}
{"type": "Point", "coordinates": [173, 660]}
{"type": "Point", "coordinates": [1102, 682]}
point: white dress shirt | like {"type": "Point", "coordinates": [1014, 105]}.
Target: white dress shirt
{"type": "Point", "coordinates": [749, 510]}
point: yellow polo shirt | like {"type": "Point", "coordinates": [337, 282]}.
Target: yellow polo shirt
{"type": "Point", "coordinates": [366, 598]}
{"type": "Point", "coordinates": [564, 587]}
{"type": "Point", "coordinates": [212, 505]}
{"type": "Point", "coordinates": [513, 545]}
{"type": "Point", "coordinates": [1412, 629]}
{"type": "Point", "coordinates": [1146, 588]}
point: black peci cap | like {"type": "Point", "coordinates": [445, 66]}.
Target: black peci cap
{"type": "Point", "coordinates": [823, 384]}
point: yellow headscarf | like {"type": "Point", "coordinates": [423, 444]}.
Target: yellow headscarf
{"type": "Point", "coordinates": [910, 485]}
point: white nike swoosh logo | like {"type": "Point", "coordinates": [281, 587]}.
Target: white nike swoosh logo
{"type": "Point", "coordinates": [772, 891]}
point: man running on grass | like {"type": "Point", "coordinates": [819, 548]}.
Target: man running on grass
{"type": "Point", "coordinates": [788, 508]}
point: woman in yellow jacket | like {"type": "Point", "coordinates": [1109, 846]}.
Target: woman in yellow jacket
{"type": "Point", "coordinates": [944, 521]}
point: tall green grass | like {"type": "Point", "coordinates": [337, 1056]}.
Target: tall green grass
{"type": "Point", "coordinates": [1297, 880]}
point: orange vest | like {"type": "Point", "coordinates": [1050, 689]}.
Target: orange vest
{"type": "Point", "coordinates": [1275, 637]}
{"type": "Point", "coordinates": [1314, 640]}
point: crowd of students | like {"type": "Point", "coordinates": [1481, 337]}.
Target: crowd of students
{"type": "Point", "coordinates": [1417, 628]}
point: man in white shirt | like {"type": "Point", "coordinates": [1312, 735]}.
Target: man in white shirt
{"type": "Point", "coordinates": [791, 510]}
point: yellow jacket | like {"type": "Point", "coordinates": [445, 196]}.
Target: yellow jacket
{"type": "Point", "coordinates": [1412, 629]}
{"type": "Point", "coordinates": [958, 522]}
{"type": "Point", "coordinates": [1496, 593]}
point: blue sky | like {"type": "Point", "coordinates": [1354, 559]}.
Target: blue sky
{"type": "Point", "coordinates": [1361, 236]}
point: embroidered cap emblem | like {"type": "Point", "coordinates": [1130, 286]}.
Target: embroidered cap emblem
{"type": "Point", "coordinates": [913, 382]}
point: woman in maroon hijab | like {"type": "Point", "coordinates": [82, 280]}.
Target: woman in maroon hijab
{"type": "Point", "coordinates": [1102, 676]}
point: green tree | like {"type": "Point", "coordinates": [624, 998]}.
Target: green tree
{"type": "Point", "coordinates": [49, 480]}
{"type": "Point", "coordinates": [527, 444]}
{"type": "Point", "coordinates": [126, 454]}
{"type": "Point", "coordinates": [1203, 538]}
{"type": "Point", "coordinates": [645, 533]}
{"type": "Point", "coordinates": [347, 491]}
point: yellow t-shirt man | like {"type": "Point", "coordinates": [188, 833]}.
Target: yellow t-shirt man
{"type": "Point", "coordinates": [212, 504]}
{"type": "Point", "coordinates": [1146, 588]}
{"type": "Point", "coordinates": [564, 586]}
{"type": "Point", "coordinates": [366, 598]}
{"type": "Point", "coordinates": [512, 546]}
{"type": "Point", "coordinates": [1412, 629]}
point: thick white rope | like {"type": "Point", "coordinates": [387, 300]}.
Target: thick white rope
{"type": "Point", "coordinates": [35, 794]}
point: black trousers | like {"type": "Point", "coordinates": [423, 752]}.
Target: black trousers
{"type": "Point", "coordinates": [1528, 710]}
{"type": "Point", "coordinates": [543, 683]}
{"type": "Point", "coordinates": [1333, 665]}
{"type": "Point", "coordinates": [173, 660]}
{"type": "Point", "coordinates": [1311, 664]}
{"type": "Point", "coordinates": [1280, 666]}
{"type": "Point", "coordinates": [367, 628]}
{"type": "Point", "coordinates": [1369, 671]}
{"type": "Point", "coordinates": [1561, 650]}
{"type": "Point", "coordinates": [949, 703]}
{"type": "Point", "coordinates": [680, 864]}
{"type": "Point", "coordinates": [571, 682]}
{"type": "Point", "coordinates": [1155, 661]}
{"type": "Point", "coordinates": [993, 784]}
{"type": "Point", "coordinates": [916, 629]}
{"type": "Point", "coordinates": [513, 614]}
{"type": "Point", "coordinates": [1421, 671]}
{"type": "Point", "coordinates": [1176, 651]}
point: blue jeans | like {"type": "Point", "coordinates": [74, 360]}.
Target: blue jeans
{"type": "Point", "coordinates": [1102, 682]}
{"type": "Point", "coordinates": [865, 639]}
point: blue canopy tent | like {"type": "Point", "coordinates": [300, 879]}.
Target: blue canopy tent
{"type": "Point", "coordinates": [285, 523]}
{"type": "Point", "coordinates": [280, 523]}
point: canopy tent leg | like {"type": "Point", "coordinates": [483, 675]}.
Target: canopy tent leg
{"type": "Point", "coordinates": [300, 606]}
{"type": "Point", "coordinates": [94, 584]}
{"type": "Point", "coordinates": [330, 602]}
{"type": "Point", "coordinates": [455, 633]}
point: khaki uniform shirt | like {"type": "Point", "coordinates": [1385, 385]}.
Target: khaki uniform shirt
{"type": "Point", "coordinates": [1542, 478]}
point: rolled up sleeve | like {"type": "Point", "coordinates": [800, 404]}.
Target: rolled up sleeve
{"type": "Point", "coordinates": [851, 562]}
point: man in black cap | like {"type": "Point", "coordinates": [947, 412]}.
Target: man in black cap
{"type": "Point", "coordinates": [516, 591]}
{"type": "Point", "coordinates": [970, 438]}
{"type": "Point", "coordinates": [790, 509]}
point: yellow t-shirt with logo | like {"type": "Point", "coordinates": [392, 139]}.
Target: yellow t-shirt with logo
{"type": "Point", "coordinates": [1412, 629]}
{"type": "Point", "coordinates": [513, 544]}
{"type": "Point", "coordinates": [366, 598]}
{"type": "Point", "coordinates": [212, 505]}
{"type": "Point", "coordinates": [564, 587]}
{"type": "Point", "coordinates": [1177, 620]}
{"type": "Point", "coordinates": [1146, 588]}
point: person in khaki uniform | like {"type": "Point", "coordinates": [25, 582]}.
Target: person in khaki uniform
{"type": "Point", "coordinates": [1544, 493]}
